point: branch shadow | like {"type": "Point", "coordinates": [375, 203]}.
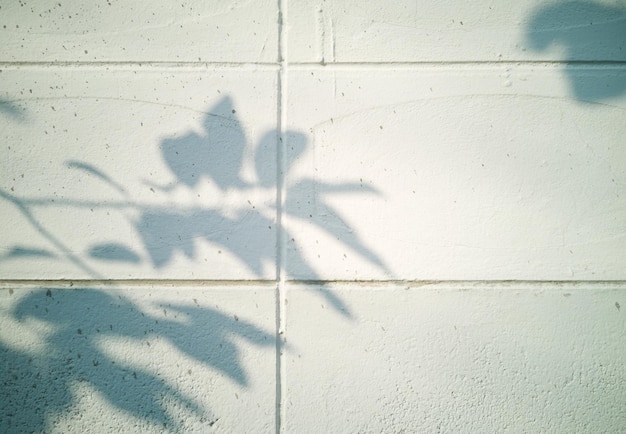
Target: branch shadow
{"type": "Point", "coordinates": [79, 323]}
{"type": "Point", "coordinates": [82, 318]}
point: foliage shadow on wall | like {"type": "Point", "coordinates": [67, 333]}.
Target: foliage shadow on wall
{"type": "Point", "coordinates": [587, 32]}
{"type": "Point", "coordinates": [82, 325]}
{"type": "Point", "coordinates": [36, 389]}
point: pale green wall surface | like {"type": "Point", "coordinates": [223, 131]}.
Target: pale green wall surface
{"type": "Point", "coordinates": [313, 216]}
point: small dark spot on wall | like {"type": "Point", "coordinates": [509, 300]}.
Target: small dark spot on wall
{"type": "Point", "coordinates": [617, 305]}
{"type": "Point", "coordinates": [48, 293]}
{"type": "Point", "coordinates": [10, 291]}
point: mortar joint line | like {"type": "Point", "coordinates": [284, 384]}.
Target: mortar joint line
{"type": "Point", "coordinates": [280, 203]}
{"type": "Point", "coordinates": [282, 62]}
{"type": "Point", "coordinates": [183, 283]}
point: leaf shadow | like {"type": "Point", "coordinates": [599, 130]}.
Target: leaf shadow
{"type": "Point", "coordinates": [79, 322]}
{"type": "Point", "coordinates": [587, 31]}
{"type": "Point", "coordinates": [81, 319]}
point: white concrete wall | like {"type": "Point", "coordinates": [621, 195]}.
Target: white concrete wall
{"type": "Point", "coordinates": [313, 216]}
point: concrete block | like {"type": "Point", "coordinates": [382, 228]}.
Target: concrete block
{"type": "Point", "coordinates": [456, 358]}
{"type": "Point", "coordinates": [467, 173]}
{"type": "Point", "coordinates": [164, 31]}
{"type": "Point", "coordinates": [138, 173]}
{"type": "Point", "coordinates": [142, 358]}
{"type": "Point", "coordinates": [449, 31]}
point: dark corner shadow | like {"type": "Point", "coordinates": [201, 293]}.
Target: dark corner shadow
{"type": "Point", "coordinates": [35, 389]}
{"type": "Point", "coordinates": [588, 31]}
{"type": "Point", "coordinates": [80, 317]}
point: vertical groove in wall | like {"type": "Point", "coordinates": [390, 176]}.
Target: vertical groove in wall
{"type": "Point", "coordinates": [280, 201]}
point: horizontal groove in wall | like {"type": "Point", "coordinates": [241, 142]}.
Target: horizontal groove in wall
{"type": "Point", "coordinates": [465, 65]}
{"type": "Point", "coordinates": [466, 62]}
{"type": "Point", "coordinates": [195, 66]}
{"type": "Point", "coordinates": [463, 284]}
{"type": "Point", "coordinates": [271, 284]}
{"type": "Point", "coordinates": [78, 283]}
{"type": "Point", "coordinates": [124, 66]}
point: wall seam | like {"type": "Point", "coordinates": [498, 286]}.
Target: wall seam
{"type": "Point", "coordinates": [280, 202]}
{"type": "Point", "coordinates": [272, 65]}
{"type": "Point", "coordinates": [185, 283]}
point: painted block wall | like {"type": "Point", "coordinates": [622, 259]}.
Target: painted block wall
{"type": "Point", "coordinates": [313, 216]}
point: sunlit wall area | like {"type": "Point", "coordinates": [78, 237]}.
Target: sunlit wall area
{"type": "Point", "coordinates": [313, 216]}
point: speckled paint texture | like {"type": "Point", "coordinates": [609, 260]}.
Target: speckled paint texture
{"type": "Point", "coordinates": [312, 216]}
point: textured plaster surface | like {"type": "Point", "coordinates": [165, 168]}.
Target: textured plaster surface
{"type": "Point", "coordinates": [458, 358]}
{"type": "Point", "coordinates": [472, 172]}
{"type": "Point", "coordinates": [144, 359]}
{"type": "Point", "coordinates": [123, 156]}
{"type": "Point", "coordinates": [167, 31]}
{"type": "Point", "coordinates": [449, 31]}
{"type": "Point", "coordinates": [311, 216]}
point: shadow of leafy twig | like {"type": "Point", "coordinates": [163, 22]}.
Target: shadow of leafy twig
{"type": "Point", "coordinates": [215, 154]}
{"type": "Point", "coordinates": [79, 322]}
